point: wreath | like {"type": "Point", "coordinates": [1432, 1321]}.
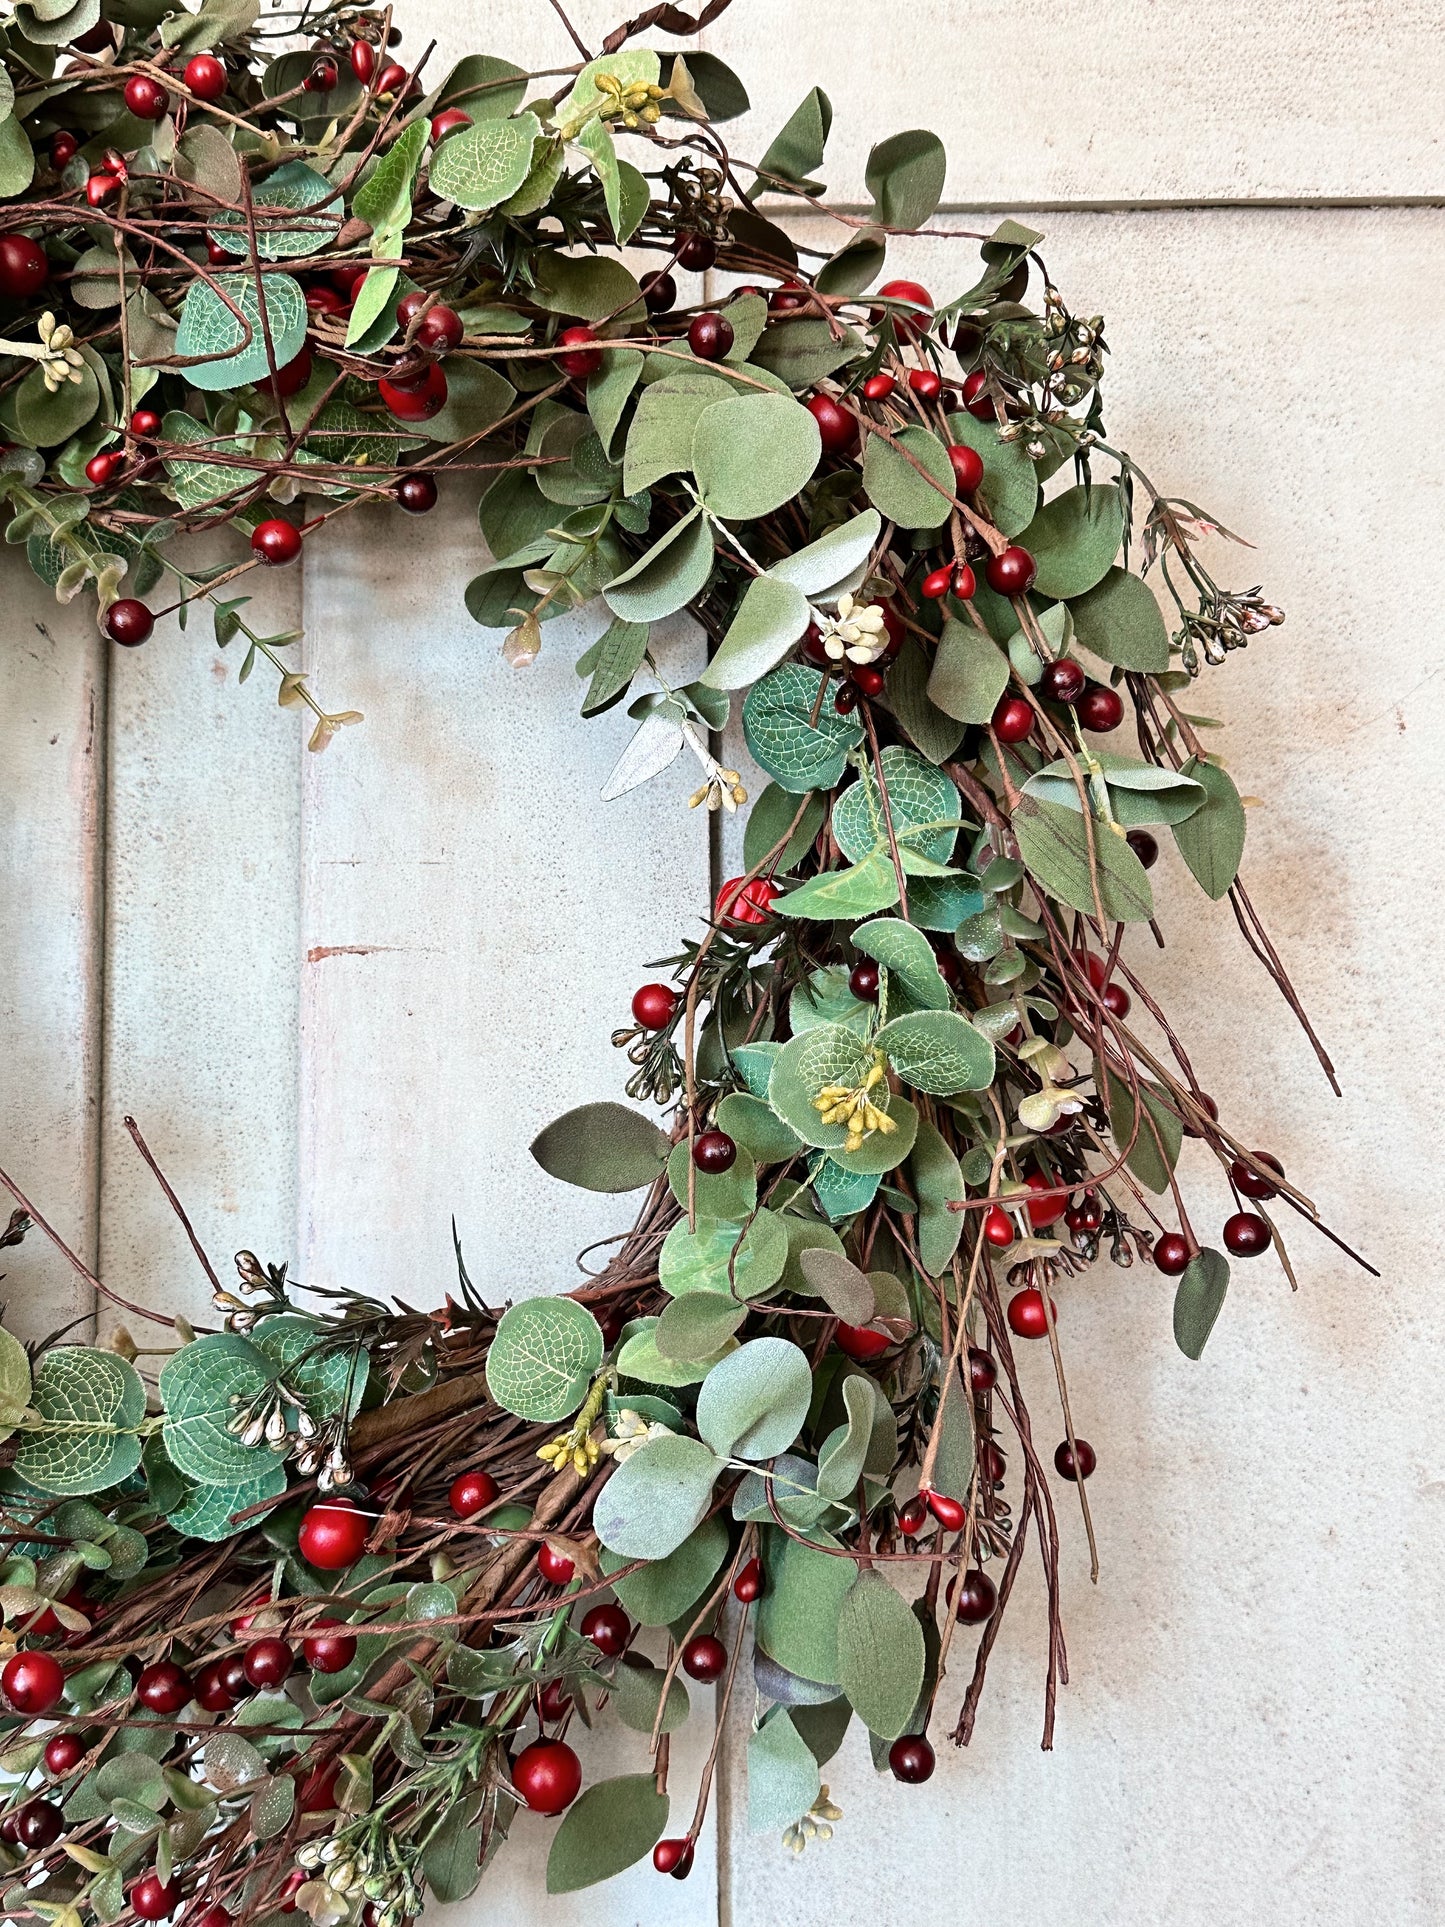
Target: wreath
{"type": "Point", "coordinates": [300, 1619]}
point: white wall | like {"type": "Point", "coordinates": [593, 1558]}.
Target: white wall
{"type": "Point", "coordinates": [337, 992]}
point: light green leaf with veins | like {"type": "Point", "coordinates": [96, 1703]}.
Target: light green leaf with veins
{"type": "Point", "coordinates": [485, 163]}
{"type": "Point", "coordinates": [543, 1357]}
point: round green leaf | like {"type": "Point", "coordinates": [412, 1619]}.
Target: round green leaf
{"type": "Point", "coordinates": [668, 576]}
{"type": "Point", "coordinates": [95, 1400]}
{"type": "Point", "coordinates": [694, 1328]}
{"type": "Point", "coordinates": [326, 1378]}
{"type": "Point", "coordinates": [656, 1498]}
{"type": "Point", "coordinates": [1074, 538]}
{"type": "Point", "coordinates": [937, 1182]}
{"type": "Point", "coordinates": [208, 1510]}
{"type": "Point", "coordinates": [754, 1126]}
{"type": "Point", "coordinates": [797, 1615]}
{"type": "Point", "coordinates": [294, 187]}
{"type": "Point", "coordinates": [1009, 491]}
{"type": "Point", "coordinates": [725, 1194]}
{"type": "Point", "coordinates": [543, 1357]}
{"type": "Point", "coordinates": [905, 176]}
{"type": "Point", "coordinates": [639, 1358]}
{"type": "Point", "coordinates": [913, 975]}
{"type": "Point", "coordinates": [720, 1256]}
{"type": "Point", "coordinates": [1119, 621]}
{"type": "Point", "coordinates": [665, 1588]}
{"type": "Point", "coordinates": [637, 1689]}
{"type": "Point", "coordinates": [922, 801]}
{"type": "Point", "coordinates": [896, 488]}
{"type": "Point", "coordinates": [778, 723]}
{"type": "Point", "coordinates": [45, 418]}
{"type": "Point", "coordinates": [770, 619]}
{"type": "Point", "coordinates": [826, 1054]}
{"type": "Point", "coordinates": [754, 1402]}
{"type": "Point", "coordinates": [614, 1824]}
{"type": "Point", "coordinates": [938, 1051]}
{"type": "Point", "coordinates": [752, 453]}
{"type": "Point", "coordinates": [208, 327]}
{"type": "Point", "coordinates": [196, 1387]}
{"type": "Point", "coordinates": [484, 163]}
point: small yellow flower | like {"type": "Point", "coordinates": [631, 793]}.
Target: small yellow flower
{"type": "Point", "coordinates": [851, 1106]}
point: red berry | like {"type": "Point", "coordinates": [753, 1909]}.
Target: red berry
{"type": "Point", "coordinates": [129, 622]}
{"type": "Point", "coordinates": [1115, 1000]}
{"type": "Point", "coordinates": [323, 77]}
{"type": "Point", "coordinates": [276, 542]}
{"type": "Point", "coordinates": [1145, 846]}
{"type": "Point", "coordinates": [417, 493]}
{"type": "Point", "coordinates": [910, 319]}
{"type": "Point", "coordinates": [318, 1789]}
{"type": "Point", "coordinates": [294, 376]}
{"type": "Point", "coordinates": [63, 150]}
{"type": "Point", "coordinates": [654, 1006]}
{"type": "Point", "coordinates": [964, 582]}
{"type": "Point", "coordinates": [911, 1759]}
{"type": "Point", "coordinates": [286, 1893]}
{"type": "Point", "coordinates": [1250, 1183]}
{"type": "Point", "coordinates": [1044, 1211]}
{"type": "Point", "coordinates": [879, 387]}
{"type": "Point", "coordinates": [893, 627]}
{"type": "Point", "coordinates": [787, 299]}
{"type": "Point", "coordinates": [441, 329]}
{"type": "Point", "coordinates": [64, 1753]}
{"type": "Point", "coordinates": [867, 680]}
{"type": "Point", "coordinates": [145, 98]}
{"type": "Point", "coordinates": [739, 902]}
{"type": "Point", "coordinates": [858, 1342]}
{"type": "Point", "coordinates": [101, 188]}
{"type": "Point", "coordinates": [548, 1775]}
{"type": "Point", "coordinates": [323, 299]}
{"type": "Point", "coordinates": [362, 56]}
{"type": "Point", "coordinates": [154, 1898]}
{"type": "Point", "coordinates": [217, 255]}
{"type": "Point", "coordinates": [609, 1629]}
{"type": "Point", "coordinates": [411, 305]}
{"type": "Point", "coordinates": [100, 468]}
{"type": "Point", "coordinates": [214, 1916]}
{"type": "Point", "coordinates": [1246, 1235]}
{"type": "Point", "coordinates": [555, 1567]}
{"type": "Point", "coordinates": [913, 1517]}
{"type": "Point", "coordinates": [212, 1695]}
{"type": "Point", "coordinates": [145, 424]}
{"type": "Point", "coordinates": [836, 426]}
{"type": "Point", "coordinates": [326, 1652]}
{"type": "Point", "coordinates": [1026, 1315]}
{"type": "Point", "coordinates": [749, 1583]}
{"type": "Point", "coordinates": [924, 383]}
{"type": "Point", "coordinates": [1063, 680]}
{"type": "Point", "coordinates": [332, 1535]}
{"type": "Point", "coordinates": [268, 1662]}
{"type": "Point", "coordinates": [998, 1227]}
{"type": "Point", "coordinates": [714, 1152]}
{"type": "Point", "coordinates": [710, 336]}
{"type": "Point", "coordinates": [696, 252]}
{"type": "Point", "coordinates": [705, 1658]}
{"type": "Point", "coordinates": [450, 121]}
{"type": "Point", "coordinates": [1205, 1104]}
{"type": "Point", "coordinates": [417, 404]}
{"type": "Point", "coordinates": [1087, 1216]}
{"type": "Point", "coordinates": [976, 1599]}
{"type": "Point", "coordinates": [659, 291]}
{"type": "Point", "coordinates": [206, 77]}
{"type": "Point", "coordinates": [975, 400]}
{"type": "Point", "coordinates": [982, 1371]}
{"type": "Point", "coordinates": [967, 466]}
{"type": "Point", "coordinates": [846, 700]}
{"type": "Point", "coordinates": [24, 268]}
{"type": "Point", "coordinates": [863, 981]}
{"type": "Point", "coordinates": [1099, 709]}
{"type": "Point", "coordinates": [471, 1493]}
{"type": "Point", "coordinates": [164, 1687]}
{"type": "Point", "coordinates": [1013, 720]}
{"type": "Point", "coordinates": [38, 1824]}
{"type": "Point", "coordinates": [937, 583]}
{"type": "Point", "coordinates": [583, 357]}
{"type": "Point", "coordinates": [553, 1701]}
{"type": "Point", "coordinates": [1011, 573]}
{"type": "Point", "coordinates": [393, 75]}
{"type": "Point", "coordinates": [950, 1513]}
{"type": "Point", "coordinates": [674, 1857]}
{"type": "Point", "coordinates": [1076, 1461]}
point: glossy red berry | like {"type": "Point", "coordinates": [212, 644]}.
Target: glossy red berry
{"type": "Point", "coordinates": [212, 1695]}
{"type": "Point", "coordinates": [1026, 1315]}
{"type": "Point", "coordinates": [325, 1651]}
{"type": "Point", "coordinates": [967, 466]}
{"type": "Point", "coordinates": [129, 622]}
{"type": "Point", "coordinates": [867, 680]}
{"type": "Point", "coordinates": [145, 424]}
{"type": "Point", "coordinates": [1076, 1461]}
{"type": "Point", "coordinates": [1043, 1210]}
{"type": "Point", "coordinates": [860, 1343]}
{"type": "Point", "coordinates": [609, 1629]}
{"type": "Point", "coordinates": [1145, 846]}
{"type": "Point", "coordinates": [936, 583]}
{"type": "Point", "coordinates": [24, 267]}
{"type": "Point", "coordinates": [333, 1534]}
{"type": "Point", "coordinates": [949, 1512]}
{"type": "Point", "coordinates": [705, 1658]}
{"type": "Point", "coordinates": [268, 1662]}
{"type": "Point", "coordinates": [318, 1790]}
{"type": "Point", "coordinates": [748, 1585]}
{"type": "Point", "coordinates": [975, 400]}
{"type": "Point", "coordinates": [845, 701]}
{"type": "Point", "coordinates": [836, 427]}
{"type": "Point", "coordinates": [555, 1567]}
{"type": "Point", "coordinates": [1085, 1217]}
{"type": "Point", "coordinates": [878, 387]}
{"type": "Point", "coordinates": [164, 1687]}
{"type": "Point", "coordinates": [419, 403]}
{"type": "Point", "coordinates": [548, 1775]}
{"type": "Point", "coordinates": [982, 1370]}
{"type": "Point", "coordinates": [101, 468]}
{"type": "Point", "coordinates": [554, 1701]}
{"type": "Point", "coordinates": [863, 980]}
{"type": "Point", "coordinates": [1013, 720]}
{"type": "Point", "coordinates": [674, 1857]}
{"type": "Point", "coordinates": [924, 383]}
{"type": "Point", "coordinates": [154, 1898]}
{"type": "Point", "coordinates": [206, 77]}
{"type": "Point", "coordinates": [216, 255]}
{"type": "Point", "coordinates": [714, 1152]}
{"type": "Point", "coordinates": [998, 1227]}
{"type": "Point", "coordinates": [1115, 1000]}
{"type": "Point", "coordinates": [1172, 1253]}
{"type": "Point", "coordinates": [276, 542]}
{"type": "Point", "coordinates": [146, 98]}
{"type": "Point", "coordinates": [63, 150]}
{"type": "Point", "coordinates": [787, 299]}
{"type": "Point", "coordinates": [361, 56]}
{"type": "Point", "coordinates": [964, 582]}
{"type": "Point", "coordinates": [911, 1759]}
{"type": "Point", "coordinates": [654, 1006]}
{"type": "Point", "coordinates": [739, 902]}
{"type": "Point", "coordinates": [39, 1824]}
{"type": "Point", "coordinates": [581, 356]}
{"type": "Point", "coordinates": [104, 187]}
{"type": "Point", "coordinates": [1246, 1235]}
{"type": "Point", "coordinates": [913, 1517]}
{"type": "Point", "coordinates": [392, 76]}
{"type": "Point", "coordinates": [1063, 680]}
{"type": "Point", "coordinates": [1011, 573]}
{"type": "Point", "coordinates": [471, 1493]}
{"type": "Point", "coordinates": [915, 309]}
{"type": "Point", "coordinates": [64, 1753]}
{"type": "Point", "coordinates": [323, 76]}
{"type": "Point", "coordinates": [294, 376]}
{"type": "Point", "coordinates": [1205, 1104]}
{"type": "Point", "coordinates": [417, 494]}
{"type": "Point", "coordinates": [214, 1916]}
{"type": "Point", "coordinates": [450, 121]}
{"type": "Point", "coordinates": [441, 329]}
{"type": "Point", "coordinates": [286, 1893]}
{"type": "Point", "coordinates": [1099, 709]}
{"type": "Point", "coordinates": [710, 336]}
{"type": "Point", "coordinates": [1249, 1183]}
{"type": "Point", "coordinates": [976, 1599]}
{"type": "Point", "coordinates": [324, 299]}
{"type": "Point", "coordinates": [696, 253]}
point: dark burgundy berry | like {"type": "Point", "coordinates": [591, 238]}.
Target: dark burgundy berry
{"type": "Point", "coordinates": [863, 981]}
{"type": "Point", "coordinates": [714, 1152]}
{"type": "Point", "coordinates": [1076, 1461]}
{"type": "Point", "coordinates": [1062, 681]}
{"type": "Point", "coordinates": [553, 1702]}
{"type": "Point", "coordinates": [991, 1461]}
{"type": "Point", "coordinates": [846, 699]}
{"type": "Point", "coordinates": [1246, 1235]}
{"type": "Point", "coordinates": [64, 1753]}
{"type": "Point", "coordinates": [24, 269]}
{"type": "Point", "coordinates": [609, 1629]}
{"type": "Point", "coordinates": [976, 1599]}
{"type": "Point", "coordinates": [982, 1371]}
{"type": "Point", "coordinates": [710, 336]}
{"type": "Point", "coordinates": [392, 76]}
{"type": "Point", "coordinates": [322, 78]}
{"type": "Point", "coordinates": [964, 582]}
{"type": "Point", "coordinates": [787, 299]}
{"type": "Point", "coordinates": [1207, 1105]}
{"type": "Point", "coordinates": [417, 494]}
{"type": "Point", "coordinates": [674, 1857]}
{"type": "Point", "coordinates": [1145, 846]}
{"type": "Point", "coordinates": [326, 1651]}
{"type": "Point", "coordinates": [1115, 1000]}
{"type": "Point", "coordinates": [748, 1585]}
{"type": "Point", "coordinates": [705, 1658]}
{"type": "Point", "coordinates": [1172, 1253]}
{"type": "Point", "coordinates": [1250, 1183]}
{"type": "Point", "coordinates": [145, 98]}
{"type": "Point", "coordinates": [275, 541]}
{"type": "Point", "coordinates": [911, 1759]}
{"type": "Point", "coordinates": [38, 1825]}
{"type": "Point", "coordinates": [696, 253]}
{"type": "Point", "coordinates": [1013, 720]}
{"type": "Point", "coordinates": [212, 1695]}
{"type": "Point", "coordinates": [362, 56]}
{"type": "Point", "coordinates": [950, 964]}
{"type": "Point", "coordinates": [654, 1006]}
{"type": "Point", "coordinates": [1099, 709]}
{"type": "Point", "coordinates": [206, 77]}
{"type": "Point", "coordinates": [268, 1662]}
{"type": "Point", "coordinates": [967, 466]}
{"type": "Point", "coordinates": [660, 294]}
{"type": "Point", "coordinates": [63, 150]}
{"type": "Point", "coordinates": [441, 329]}
{"type": "Point", "coordinates": [867, 680]}
{"type": "Point", "coordinates": [294, 376]}
{"type": "Point", "coordinates": [1011, 573]}
{"type": "Point", "coordinates": [164, 1687]}
{"type": "Point", "coordinates": [555, 1567]}
{"type": "Point", "coordinates": [129, 622]}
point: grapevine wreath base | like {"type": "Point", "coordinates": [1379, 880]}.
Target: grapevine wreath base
{"type": "Point", "coordinates": [295, 1622]}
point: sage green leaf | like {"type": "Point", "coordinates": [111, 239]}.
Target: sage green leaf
{"type": "Point", "coordinates": [937, 1182]}
{"type": "Point", "coordinates": [1198, 1300]}
{"type": "Point", "coordinates": [208, 327]}
{"type": "Point", "coordinates": [596, 142]}
{"type": "Point", "coordinates": [198, 483]}
{"type": "Point", "coordinates": [45, 418]}
{"type": "Point", "coordinates": [754, 1063]}
{"type": "Point", "coordinates": [656, 1497]}
{"type": "Point", "coordinates": [845, 1450]}
{"type": "Point", "coordinates": [659, 442]}
{"type": "Point", "coordinates": [768, 821]}
{"type": "Point", "coordinates": [747, 316]}
{"type": "Point", "coordinates": [513, 514]}
{"type": "Point", "coordinates": [543, 1357]}
{"type": "Point", "coordinates": [756, 1128]}
{"type": "Point", "coordinates": [783, 737]}
{"type": "Point", "coordinates": [602, 1147]}
{"type": "Point", "coordinates": [608, 392]}
{"type": "Point", "coordinates": [668, 576]}
{"type": "Point", "coordinates": [1074, 538]}
{"type": "Point", "coordinates": [905, 175]}
{"type": "Point", "coordinates": [658, 743]}
{"type": "Point", "coordinates": [721, 1256]}
{"type": "Point", "coordinates": [1053, 845]}
{"type": "Point", "coordinates": [14, 1381]}
{"type": "Point", "coordinates": [637, 1692]}
{"type": "Point", "coordinates": [937, 735]}
{"type": "Point", "coordinates": [340, 433]}
{"type": "Point", "coordinates": [632, 66]}
{"type": "Point", "coordinates": [722, 1194]}
{"type": "Point", "coordinates": [590, 286]}
{"type": "Point", "coordinates": [823, 1726]}
{"type": "Point", "coordinates": [843, 1288]}
{"type": "Point", "coordinates": [880, 1655]}
{"type": "Point", "coordinates": [1119, 621]}
{"type": "Point", "coordinates": [753, 1403]}
{"type": "Point", "coordinates": [1156, 1150]}
{"type": "Point", "coordinates": [209, 1510]}
{"type": "Point", "coordinates": [197, 1384]}
{"type": "Point", "coordinates": [96, 1402]}
{"type": "Point", "coordinates": [826, 1054]}
{"type": "Point", "coordinates": [783, 1776]}
{"type": "Point", "coordinates": [752, 453]}
{"type": "Point", "coordinates": [841, 1192]}
{"type": "Point", "coordinates": [938, 1051]}
{"type": "Point", "coordinates": [833, 558]}
{"type": "Point", "coordinates": [970, 673]}
{"type": "Point", "coordinates": [796, 1619]}
{"type": "Point", "coordinates": [825, 996]}
{"type": "Point", "coordinates": [770, 619]}
{"type": "Point", "coordinates": [856, 892]}
{"type": "Point", "coordinates": [639, 1358]}
{"type": "Point", "coordinates": [796, 152]}
{"type": "Point", "coordinates": [665, 1588]}
{"type": "Point", "coordinates": [1211, 841]}
{"type": "Point", "coordinates": [327, 1379]}
{"type": "Point", "coordinates": [217, 20]}
{"type": "Point", "coordinates": [297, 190]}
{"type": "Point", "coordinates": [718, 87]}
{"type": "Point", "coordinates": [896, 488]}
{"type": "Point", "coordinates": [922, 803]}
{"type": "Point", "coordinates": [17, 159]}
{"type": "Point", "coordinates": [1009, 491]}
{"type": "Point", "coordinates": [615, 659]}
{"type": "Point", "coordinates": [634, 200]}
{"type": "Point", "coordinates": [953, 1427]}
{"type": "Point", "coordinates": [802, 350]}
{"type": "Point", "coordinates": [854, 266]}
{"type": "Point", "coordinates": [908, 957]}
{"type": "Point", "coordinates": [549, 163]}
{"type": "Point", "coordinates": [693, 1328]}
{"type": "Point", "coordinates": [95, 278]}
{"type": "Point", "coordinates": [450, 1858]}
{"type": "Point", "coordinates": [488, 88]}
{"type": "Point", "coordinates": [485, 162]}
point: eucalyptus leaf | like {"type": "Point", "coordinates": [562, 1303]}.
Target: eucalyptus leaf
{"type": "Point", "coordinates": [880, 1655]}
{"type": "Point", "coordinates": [1211, 840]}
{"type": "Point", "coordinates": [895, 486]}
{"type": "Point", "coordinates": [656, 1497]}
{"type": "Point", "coordinates": [602, 1147]}
{"type": "Point", "coordinates": [542, 1358]}
{"type": "Point", "coordinates": [1198, 1300]}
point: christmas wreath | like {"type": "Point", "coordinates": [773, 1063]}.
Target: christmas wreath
{"type": "Point", "coordinates": [297, 1620]}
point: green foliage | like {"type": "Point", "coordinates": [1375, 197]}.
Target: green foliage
{"type": "Point", "coordinates": [601, 1147]}
{"type": "Point", "coordinates": [1118, 620]}
{"type": "Point", "coordinates": [915, 494]}
{"type": "Point", "coordinates": [197, 1386]}
{"type": "Point", "coordinates": [782, 1774]}
{"type": "Point", "coordinates": [1211, 840]}
{"type": "Point", "coordinates": [613, 1824]}
{"type": "Point", "coordinates": [92, 1404]}
{"type": "Point", "coordinates": [656, 1498]}
{"type": "Point", "coordinates": [665, 1589]}
{"type": "Point", "coordinates": [1074, 539]}
{"type": "Point", "coordinates": [753, 1403]}
{"type": "Point", "coordinates": [752, 453]}
{"type": "Point", "coordinates": [970, 673]}
{"type": "Point", "coordinates": [1053, 843]}
{"type": "Point", "coordinates": [484, 163]}
{"type": "Point", "coordinates": [905, 176]}
{"type": "Point", "coordinates": [725, 1256]}
{"type": "Point", "coordinates": [1198, 1300]}
{"type": "Point", "coordinates": [880, 1655]}
{"type": "Point", "coordinates": [542, 1358]}
{"type": "Point", "coordinates": [797, 751]}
